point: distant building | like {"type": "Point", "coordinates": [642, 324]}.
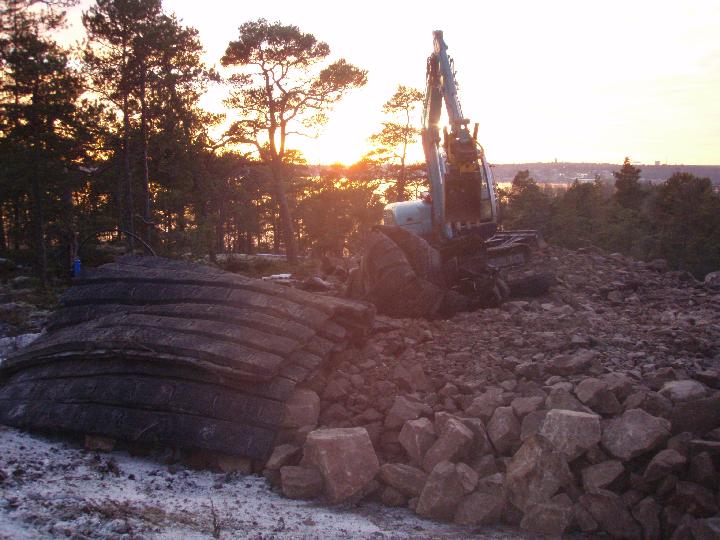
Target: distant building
{"type": "Point", "coordinates": [657, 163]}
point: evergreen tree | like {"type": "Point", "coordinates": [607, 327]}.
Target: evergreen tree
{"type": "Point", "coordinates": [526, 205]}
{"type": "Point", "coordinates": [628, 191]}
{"type": "Point", "coordinates": [115, 56]}
{"type": "Point", "coordinates": [392, 141]}
{"type": "Point", "coordinates": [685, 214]}
{"type": "Point", "coordinates": [281, 88]}
{"type": "Point", "coordinates": [42, 124]}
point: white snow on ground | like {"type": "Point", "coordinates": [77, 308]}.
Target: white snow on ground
{"type": "Point", "coordinates": [51, 488]}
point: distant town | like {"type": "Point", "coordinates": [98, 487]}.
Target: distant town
{"type": "Point", "coordinates": [565, 173]}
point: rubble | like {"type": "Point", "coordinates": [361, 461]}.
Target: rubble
{"type": "Point", "coordinates": [571, 432]}
{"type": "Point", "coordinates": [593, 409]}
{"type": "Point", "coordinates": [634, 433]}
{"type": "Point", "coordinates": [345, 459]}
{"type": "Point", "coordinates": [442, 492]}
{"type": "Point", "coordinates": [300, 482]}
{"type": "Point", "coordinates": [552, 424]}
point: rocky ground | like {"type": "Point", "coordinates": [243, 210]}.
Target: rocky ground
{"type": "Point", "coordinates": [592, 410]}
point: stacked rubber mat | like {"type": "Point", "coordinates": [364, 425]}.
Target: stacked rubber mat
{"type": "Point", "coordinates": [156, 351]}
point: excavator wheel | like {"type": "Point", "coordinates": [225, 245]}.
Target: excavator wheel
{"type": "Point", "coordinates": [397, 274]}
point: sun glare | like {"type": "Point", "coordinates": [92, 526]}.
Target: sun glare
{"type": "Point", "coordinates": [598, 82]}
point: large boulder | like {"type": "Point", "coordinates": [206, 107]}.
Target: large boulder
{"type": "Point", "coordinates": [504, 430]}
{"type": "Point", "coordinates": [620, 384]}
{"type": "Point", "coordinates": [416, 437]}
{"type": "Point", "coordinates": [561, 398]}
{"type": "Point", "coordinates": [572, 364]}
{"type": "Point", "coordinates": [481, 442]}
{"type": "Point", "coordinates": [344, 457]}
{"type": "Point", "coordinates": [282, 455]}
{"type": "Point", "coordinates": [550, 518]}
{"type": "Point", "coordinates": [481, 508]}
{"type": "Point", "coordinates": [685, 390]}
{"type": "Point", "coordinates": [664, 463]}
{"type": "Point", "coordinates": [484, 405]}
{"type": "Point", "coordinates": [647, 514]}
{"type": "Point", "coordinates": [634, 433]}
{"type": "Point", "coordinates": [601, 475]}
{"type": "Point", "coordinates": [300, 482]}
{"type": "Point", "coordinates": [706, 529]}
{"type": "Point", "coordinates": [694, 499]}
{"type": "Point", "coordinates": [453, 441]}
{"type": "Point", "coordinates": [536, 472]}
{"type": "Point", "coordinates": [596, 394]}
{"type": "Point", "coordinates": [697, 416]}
{"type": "Point", "coordinates": [532, 423]}
{"type": "Point", "coordinates": [609, 510]}
{"type": "Point", "coordinates": [406, 479]}
{"type": "Point", "coordinates": [712, 280]}
{"type": "Point", "coordinates": [404, 409]}
{"type": "Point", "coordinates": [522, 406]}
{"type": "Point", "coordinates": [650, 402]}
{"type": "Point", "coordinates": [571, 432]}
{"type": "Point", "coordinates": [442, 492]}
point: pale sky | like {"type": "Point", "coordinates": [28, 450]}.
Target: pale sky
{"type": "Point", "coordinates": [573, 80]}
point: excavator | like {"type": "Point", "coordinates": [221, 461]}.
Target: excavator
{"type": "Point", "coordinates": [444, 252]}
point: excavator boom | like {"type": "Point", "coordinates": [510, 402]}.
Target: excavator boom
{"type": "Point", "coordinates": [462, 185]}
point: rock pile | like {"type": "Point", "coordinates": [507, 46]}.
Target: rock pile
{"type": "Point", "coordinates": [596, 408]}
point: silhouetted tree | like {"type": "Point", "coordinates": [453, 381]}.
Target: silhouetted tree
{"type": "Point", "coordinates": [525, 204]}
{"type": "Point", "coordinates": [628, 191]}
{"type": "Point", "coordinates": [392, 141]}
{"type": "Point", "coordinates": [685, 214]}
{"type": "Point", "coordinates": [338, 206]}
{"type": "Point", "coordinates": [114, 56]}
{"type": "Point", "coordinates": [281, 88]}
{"type": "Point", "coordinates": [578, 213]}
{"type": "Point", "coordinates": [43, 135]}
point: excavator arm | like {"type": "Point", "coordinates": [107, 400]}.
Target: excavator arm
{"type": "Point", "coordinates": [462, 185]}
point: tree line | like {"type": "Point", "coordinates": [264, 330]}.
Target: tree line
{"type": "Point", "coordinates": [105, 144]}
{"type": "Point", "coordinates": [677, 220]}
{"type": "Point", "coordinates": [107, 140]}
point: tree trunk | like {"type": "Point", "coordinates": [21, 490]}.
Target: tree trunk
{"type": "Point", "coordinates": [127, 188]}
{"type": "Point", "coordinates": [38, 227]}
{"type": "Point", "coordinates": [276, 234]}
{"type": "Point", "coordinates": [220, 235]}
{"type": "Point", "coordinates": [3, 238]}
{"type": "Point", "coordinates": [69, 233]}
{"type": "Point", "coordinates": [400, 186]}
{"type": "Point", "coordinates": [16, 224]}
{"type": "Point", "coordinates": [147, 217]}
{"type": "Point", "coordinates": [288, 229]}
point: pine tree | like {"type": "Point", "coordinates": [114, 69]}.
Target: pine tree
{"type": "Point", "coordinates": [628, 191]}
{"type": "Point", "coordinates": [392, 141]}
{"type": "Point", "coordinates": [282, 87]}
{"type": "Point", "coordinates": [39, 113]}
